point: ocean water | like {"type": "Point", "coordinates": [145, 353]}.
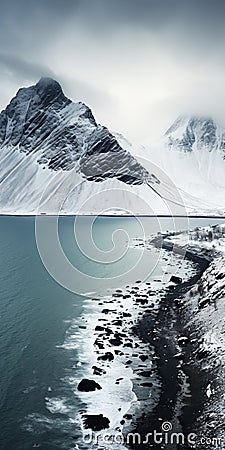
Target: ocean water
{"type": "Point", "coordinates": [46, 333]}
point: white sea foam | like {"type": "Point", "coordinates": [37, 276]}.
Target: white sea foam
{"type": "Point", "coordinates": [116, 396]}
{"type": "Point", "coordinates": [57, 405]}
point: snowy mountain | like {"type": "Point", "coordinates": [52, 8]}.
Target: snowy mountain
{"type": "Point", "coordinates": [55, 158]}
{"type": "Point", "coordinates": [190, 134]}
{"type": "Point", "coordinates": [192, 153]}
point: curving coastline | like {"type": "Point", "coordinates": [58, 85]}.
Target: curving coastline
{"type": "Point", "coordinates": [183, 386]}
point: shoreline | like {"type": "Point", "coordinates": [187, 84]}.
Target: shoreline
{"type": "Point", "coordinates": [174, 405]}
{"type": "Point", "coordinates": [166, 216]}
{"type": "Point", "coordinates": [115, 316]}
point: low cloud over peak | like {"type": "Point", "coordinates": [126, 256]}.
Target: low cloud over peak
{"type": "Point", "coordinates": [137, 63]}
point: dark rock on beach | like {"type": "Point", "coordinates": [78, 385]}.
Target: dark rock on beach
{"type": "Point", "coordinates": [182, 340]}
{"type": "Point", "coordinates": [128, 416]}
{"type": "Point", "coordinates": [119, 323]}
{"type": "Point", "coordinates": [175, 279]}
{"type": "Point", "coordinates": [99, 328]}
{"type": "Point", "coordinates": [96, 422]}
{"type": "Point", "coordinates": [143, 357]}
{"type": "Point", "coordinates": [145, 373]}
{"type": "Point", "coordinates": [117, 339]}
{"type": "Point", "coordinates": [98, 370]}
{"type": "Point", "coordinates": [164, 339]}
{"type": "Point", "coordinates": [128, 344]}
{"type": "Point", "coordinates": [87, 385]}
{"type": "Point", "coordinates": [108, 356]}
{"type": "Point", "coordinates": [99, 343]}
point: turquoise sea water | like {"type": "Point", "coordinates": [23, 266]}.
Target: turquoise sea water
{"type": "Point", "coordinates": [36, 314]}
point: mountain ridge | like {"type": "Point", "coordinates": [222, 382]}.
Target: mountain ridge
{"type": "Point", "coordinates": [42, 115]}
{"type": "Point", "coordinates": [189, 132]}
{"type": "Point", "coordinates": [44, 136]}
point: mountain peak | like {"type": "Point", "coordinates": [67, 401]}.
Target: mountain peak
{"type": "Point", "coordinates": [49, 90]}
{"type": "Point", "coordinates": [195, 132]}
{"type": "Point", "coordinates": [48, 84]}
{"type": "Point", "coordinates": [183, 121]}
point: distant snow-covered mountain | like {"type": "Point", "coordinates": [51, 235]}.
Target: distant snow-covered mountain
{"type": "Point", "coordinates": [196, 133]}
{"type": "Point", "coordinates": [54, 157]}
{"type": "Point", "coordinates": [192, 153]}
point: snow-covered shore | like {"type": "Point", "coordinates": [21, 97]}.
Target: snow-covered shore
{"type": "Point", "coordinates": [204, 312]}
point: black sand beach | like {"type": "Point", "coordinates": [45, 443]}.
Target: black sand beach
{"type": "Point", "coordinates": [180, 402]}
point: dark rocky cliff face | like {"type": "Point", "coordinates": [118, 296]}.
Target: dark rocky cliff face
{"type": "Point", "coordinates": [31, 112]}
{"type": "Point", "coordinates": [41, 119]}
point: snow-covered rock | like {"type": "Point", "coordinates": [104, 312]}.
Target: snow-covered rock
{"type": "Point", "coordinates": [54, 158]}
{"type": "Point", "coordinates": [53, 151]}
{"type": "Point", "coordinates": [192, 153]}
{"type": "Point", "coordinates": [204, 310]}
{"type": "Point", "coordinates": [190, 134]}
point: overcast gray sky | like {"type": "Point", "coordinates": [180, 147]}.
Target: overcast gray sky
{"type": "Point", "coordinates": [137, 63]}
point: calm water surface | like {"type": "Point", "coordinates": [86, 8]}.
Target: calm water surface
{"type": "Point", "coordinates": [36, 314]}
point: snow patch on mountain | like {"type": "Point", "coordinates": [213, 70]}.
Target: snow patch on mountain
{"type": "Point", "coordinates": [56, 158]}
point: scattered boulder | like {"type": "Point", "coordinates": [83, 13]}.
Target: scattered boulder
{"type": "Point", "coordinates": [125, 314]}
{"type": "Point", "coordinates": [87, 385]}
{"type": "Point", "coordinates": [108, 311]}
{"type": "Point", "coordinates": [146, 384]}
{"type": "Point", "coordinates": [99, 328]}
{"type": "Point", "coordinates": [116, 341]}
{"type": "Point", "coordinates": [142, 301]}
{"type": "Point", "coordinates": [105, 311]}
{"type": "Point", "coordinates": [171, 287]}
{"type": "Point", "coordinates": [175, 279]}
{"type": "Point", "coordinates": [143, 357]}
{"type": "Point", "coordinates": [118, 352]}
{"type": "Point", "coordinates": [128, 416]}
{"type": "Point", "coordinates": [179, 356]}
{"type": "Point", "coordinates": [108, 356]}
{"type": "Point", "coordinates": [183, 340]}
{"type": "Point", "coordinates": [220, 275]}
{"type": "Point", "coordinates": [145, 373]}
{"type": "Point", "coordinates": [96, 422]}
{"type": "Point", "coordinates": [203, 302]}
{"type": "Point", "coordinates": [108, 331]}
{"type": "Point", "coordinates": [118, 322]}
{"type": "Point", "coordinates": [98, 370]}
{"type": "Point", "coordinates": [99, 344]}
